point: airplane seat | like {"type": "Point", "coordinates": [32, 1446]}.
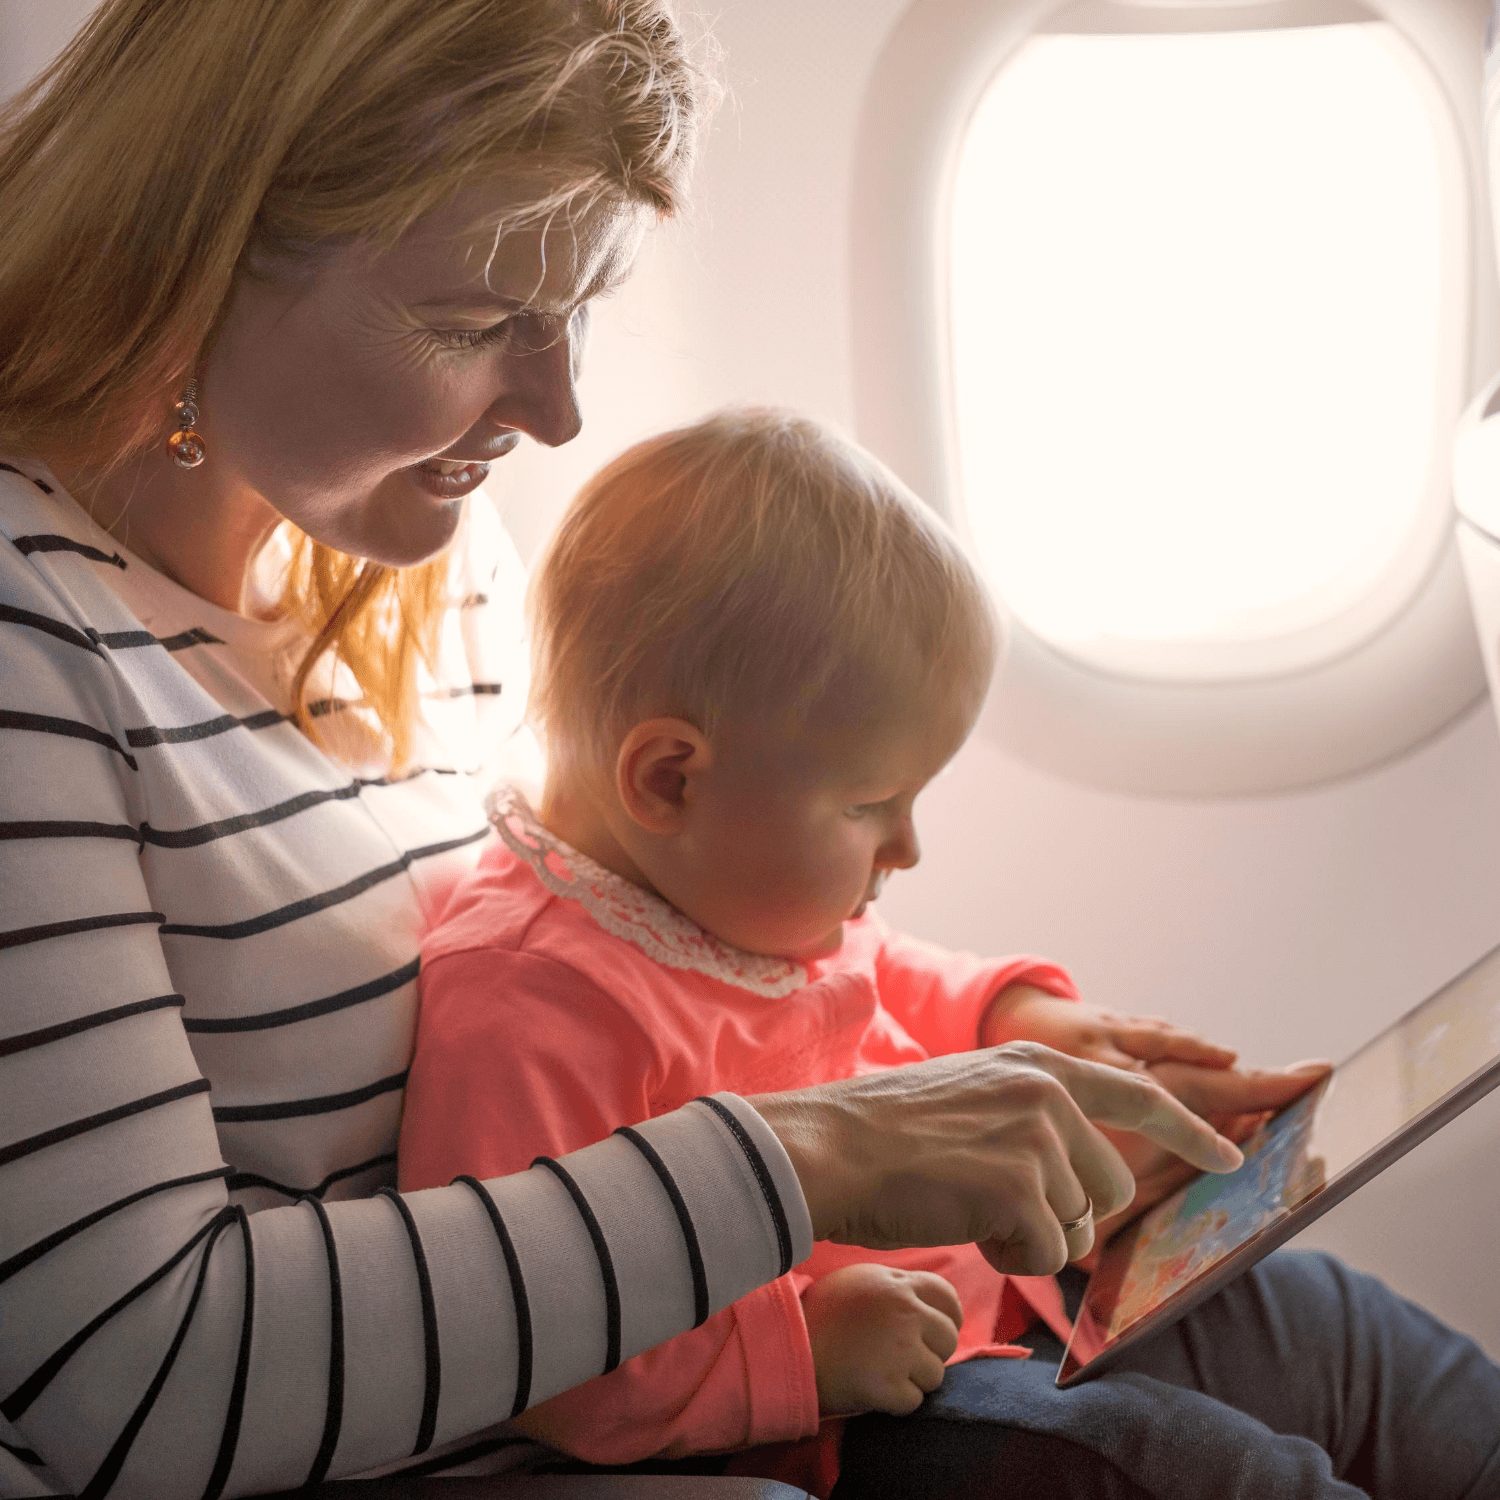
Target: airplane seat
{"type": "Point", "coordinates": [551, 1487]}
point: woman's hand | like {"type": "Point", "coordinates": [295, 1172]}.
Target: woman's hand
{"type": "Point", "coordinates": [995, 1147]}
{"type": "Point", "coordinates": [1021, 1012]}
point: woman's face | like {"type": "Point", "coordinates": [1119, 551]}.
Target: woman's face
{"type": "Point", "coordinates": [364, 396]}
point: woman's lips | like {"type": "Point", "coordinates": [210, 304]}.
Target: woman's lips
{"type": "Point", "coordinates": [451, 478]}
{"type": "Point", "coordinates": [453, 465]}
{"type": "Point", "coordinates": [448, 481]}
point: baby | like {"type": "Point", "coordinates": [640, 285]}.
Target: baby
{"type": "Point", "coordinates": [753, 650]}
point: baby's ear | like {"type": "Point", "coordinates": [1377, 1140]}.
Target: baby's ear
{"type": "Point", "coordinates": [658, 762]}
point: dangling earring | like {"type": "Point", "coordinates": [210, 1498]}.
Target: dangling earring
{"type": "Point", "coordinates": [186, 445]}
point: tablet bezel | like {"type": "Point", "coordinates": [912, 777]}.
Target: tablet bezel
{"type": "Point", "coordinates": [1117, 1254]}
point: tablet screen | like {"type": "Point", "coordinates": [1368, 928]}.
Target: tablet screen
{"type": "Point", "coordinates": [1382, 1090]}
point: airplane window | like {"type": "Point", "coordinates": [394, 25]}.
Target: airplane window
{"type": "Point", "coordinates": [1199, 353]}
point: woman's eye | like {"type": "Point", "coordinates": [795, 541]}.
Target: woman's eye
{"type": "Point", "coordinates": [500, 333]}
{"type": "Point", "coordinates": [470, 338]}
{"type": "Point", "coordinates": [523, 333]}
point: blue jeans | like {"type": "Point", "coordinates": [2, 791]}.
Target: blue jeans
{"type": "Point", "coordinates": [1302, 1380]}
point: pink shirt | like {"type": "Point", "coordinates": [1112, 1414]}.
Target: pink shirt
{"type": "Point", "coordinates": [560, 1002]}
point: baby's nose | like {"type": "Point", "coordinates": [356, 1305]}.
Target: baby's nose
{"type": "Point", "coordinates": [902, 851]}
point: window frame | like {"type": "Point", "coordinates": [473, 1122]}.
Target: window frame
{"type": "Point", "coordinates": [1392, 682]}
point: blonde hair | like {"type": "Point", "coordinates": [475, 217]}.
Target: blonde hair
{"type": "Point", "coordinates": [754, 565]}
{"type": "Point", "coordinates": [176, 143]}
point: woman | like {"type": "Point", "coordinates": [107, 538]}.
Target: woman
{"type": "Point", "coordinates": [322, 262]}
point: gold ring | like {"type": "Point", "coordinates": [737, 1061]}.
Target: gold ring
{"type": "Point", "coordinates": [1072, 1226]}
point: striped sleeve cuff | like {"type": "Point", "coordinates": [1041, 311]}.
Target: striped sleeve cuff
{"type": "Point", "coordinates": [775, 1179]}
{"type": "Point", "coordinates": [584, 1262]}
{"type": "Point", "coordinates": [676, 1218]}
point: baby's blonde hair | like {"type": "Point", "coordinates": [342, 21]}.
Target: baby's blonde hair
{"type": "Point", "coordinates": [752, 566]}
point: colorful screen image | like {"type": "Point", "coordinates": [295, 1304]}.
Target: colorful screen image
{"type": "Point", "coordinates": [1449, 1043]}
{"type": "Point", "coordinates": [1213, 1216]}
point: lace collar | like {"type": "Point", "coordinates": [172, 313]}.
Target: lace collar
{"type": "Point", "coordinates": [623, 909]}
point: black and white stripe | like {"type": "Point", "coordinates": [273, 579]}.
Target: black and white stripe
{"type": "Point", "coordinates": [208, 947]}
{"type": "Point", "coordinates": [684, 1219]}
{"type": "Point", "coordinates": [333, 1412]}
{"type": "Point", "coordinates": [606, 1260]}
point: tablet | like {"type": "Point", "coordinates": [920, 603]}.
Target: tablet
{"type": "Point", "coordinates": [1370, 1111]}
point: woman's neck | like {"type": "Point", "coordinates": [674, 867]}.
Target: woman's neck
{"type": "Point", "coordinates": [194, 525]}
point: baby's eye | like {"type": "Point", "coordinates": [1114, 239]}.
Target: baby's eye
{"type": "Point", "coordinates": [863, 809]}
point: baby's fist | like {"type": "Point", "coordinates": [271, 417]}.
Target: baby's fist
{"type": "Point", "coordinates": [879, 1337]}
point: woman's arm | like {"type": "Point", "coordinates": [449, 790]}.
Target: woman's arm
{"type": "Point", "coordinates": [519, 1054]}
{"type": "Point", "coordinates": [158, 1341]}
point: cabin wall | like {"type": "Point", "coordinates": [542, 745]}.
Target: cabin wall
{"type": "Point", "coordinates": [1289, 926]}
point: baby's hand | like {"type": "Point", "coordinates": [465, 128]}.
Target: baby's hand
{"type": "Point", "coordinates": [879, 1337]}
{"type": "Point", "coordinates": [1021, 1013]}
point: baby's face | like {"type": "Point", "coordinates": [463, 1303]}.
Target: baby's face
{"type": "Point", "coordinates": [788, 839]}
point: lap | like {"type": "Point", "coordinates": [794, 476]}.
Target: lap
{"type": "Point", "coordinates": [1002, 1427]}
{"type": "Point", "coordinates": [1302, 1379]}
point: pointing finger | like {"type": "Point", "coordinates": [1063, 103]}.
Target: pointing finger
{"type": "Point", "coordinates": [1136, 1102]}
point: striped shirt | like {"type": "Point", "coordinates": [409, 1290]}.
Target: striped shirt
{"type": "Point", "coordinates": [208, 939]}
